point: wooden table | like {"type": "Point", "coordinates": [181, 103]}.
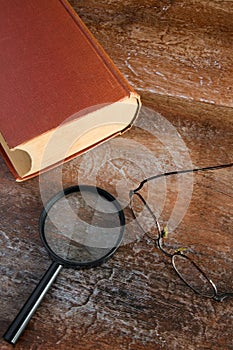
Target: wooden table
{"type": "Point", "coordinates": [178, 56]}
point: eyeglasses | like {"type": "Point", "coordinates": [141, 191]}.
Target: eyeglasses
{"type": "Point", "coordinates": [188, 271]}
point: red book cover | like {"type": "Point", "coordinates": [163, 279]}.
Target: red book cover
{"type": "Point", "coordinates": [52, 70]}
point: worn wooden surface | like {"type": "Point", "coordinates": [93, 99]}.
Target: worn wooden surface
{"type": "Point", "coordinates": [179, 57]}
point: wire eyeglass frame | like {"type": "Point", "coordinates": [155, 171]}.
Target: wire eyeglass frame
{"type": "Point", "coordinates": [179, 253]}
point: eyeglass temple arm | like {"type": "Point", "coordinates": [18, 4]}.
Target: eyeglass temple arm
{"type": "Point", "coordinates": [177, 172]}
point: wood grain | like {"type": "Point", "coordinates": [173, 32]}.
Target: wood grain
{"type": "Point", "coordinates": [135, 300]}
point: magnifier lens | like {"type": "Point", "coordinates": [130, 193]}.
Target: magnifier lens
{"type": "Point", "coordinates": [82, 227]}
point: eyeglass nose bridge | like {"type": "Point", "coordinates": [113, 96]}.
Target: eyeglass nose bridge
{"type": "Point", "coordinates": [221, 297]}
{"type": "Point", "coordinates": [193, 276]}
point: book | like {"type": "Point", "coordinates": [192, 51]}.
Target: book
{"type": "Point", "coordinates": [56, 83]}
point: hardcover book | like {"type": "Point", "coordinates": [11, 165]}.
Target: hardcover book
{"type": "Point", "coordinates": [54, 75]}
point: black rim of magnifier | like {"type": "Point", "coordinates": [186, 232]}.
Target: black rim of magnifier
{"type": "Point", "coordinates": [64, 193]}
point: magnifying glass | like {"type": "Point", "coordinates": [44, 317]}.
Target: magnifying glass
{"type": "Point", "coordinates": [81, 226]}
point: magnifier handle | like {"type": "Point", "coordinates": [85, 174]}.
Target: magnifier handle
{"type": "Point", "coordinates": [20, 322]}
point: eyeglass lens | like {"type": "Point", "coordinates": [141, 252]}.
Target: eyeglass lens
{"type": "Point", "coordinates": [144, 215]}
{"type": "Point", "coordinates": [192, 275]}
